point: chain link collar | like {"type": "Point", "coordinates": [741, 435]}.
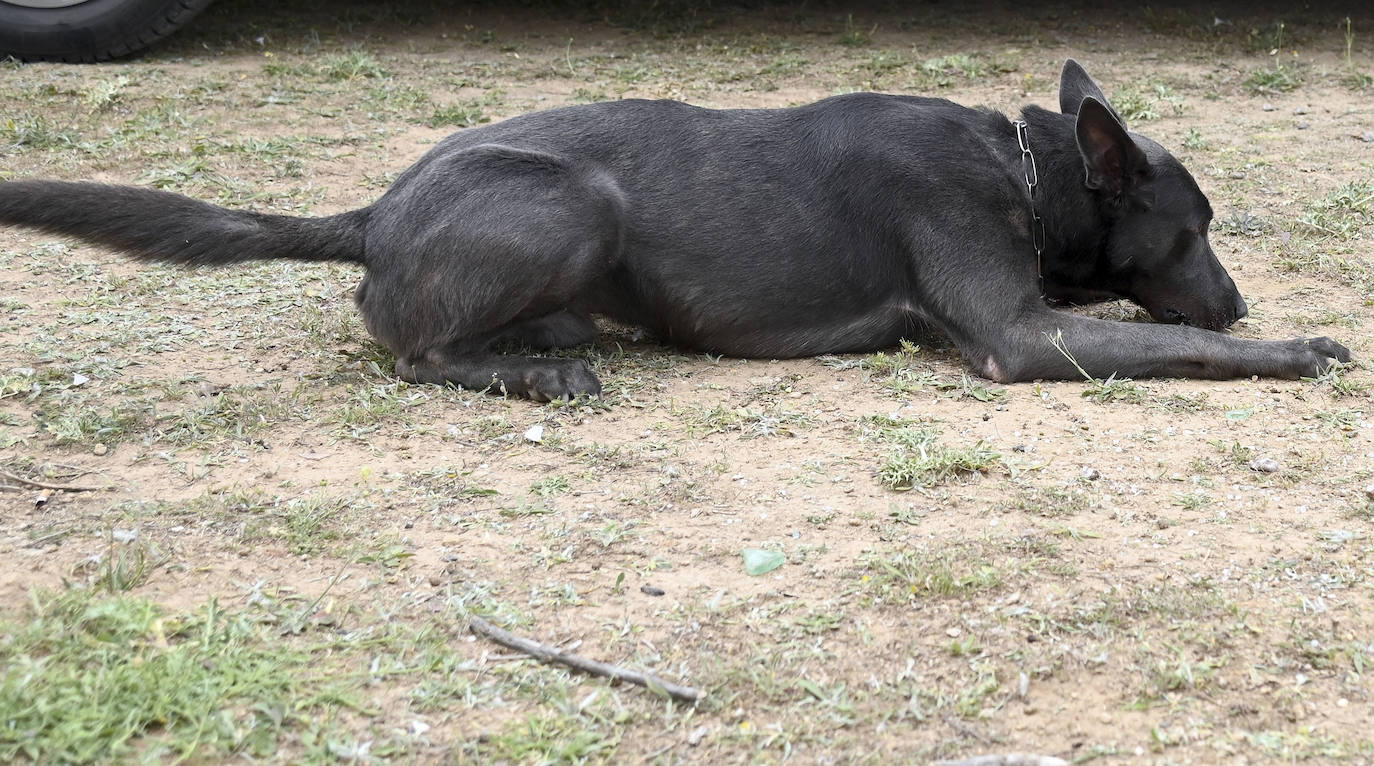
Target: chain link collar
{"type": "Point", "coordinates": [1032, 176]}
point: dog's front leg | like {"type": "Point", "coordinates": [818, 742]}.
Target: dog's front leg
{"type": "Point", "coordinates": [1040, 347]}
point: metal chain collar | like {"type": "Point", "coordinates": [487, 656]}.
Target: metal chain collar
{"type": "Point", "coordinates": [1032, 175]}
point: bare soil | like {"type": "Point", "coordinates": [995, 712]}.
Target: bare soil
{"type": "Point", "coordinates": [1121, 581]}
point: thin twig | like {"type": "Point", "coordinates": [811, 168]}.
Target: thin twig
{"type": "Point", "coordinates": [546, 653]}
{"type": "Point", "coordinates": [967, 731]}
{"type": "Point", "coordinates": [1009, 759]}
{"type": "Point", "coordinates": [47, 485]}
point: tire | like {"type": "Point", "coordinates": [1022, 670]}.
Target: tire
{"type": "Point", "coordinates": [88, 30]}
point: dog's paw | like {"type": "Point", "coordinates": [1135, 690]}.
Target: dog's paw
{"type": "Point", "coordinates": [1315, 356]}
{"type": "Point", "coordinates": [560, 379]}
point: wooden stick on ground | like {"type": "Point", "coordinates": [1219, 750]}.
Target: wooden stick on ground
{"type": "Point", "coordinates": [546, 653]}
{"type": "Point", "coordinates": [1010, 759]}
{"type": "Point", "coordinates": [47, 485]}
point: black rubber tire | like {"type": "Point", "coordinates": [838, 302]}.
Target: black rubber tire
{"type": "Point", "coordinates": [94, 30]}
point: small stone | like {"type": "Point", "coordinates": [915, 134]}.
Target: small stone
{"type": "Point", "coordinates": [1300, 110]}
{"type": "Point", "coordinates": [1369, 492]}
{"type": "Point", "coordinates": [650, 590]}
{"type": "Point", "coordinates": [1367, 136]}
{"type": "Point", "coordinates": [1268, 107]}
{"type": "Point", "coordinates": [1304, 125]}
{"type": "Point", "coordinates": [1090, 473]}
{"type": "Point", "coordinates": [953, 632]}
{"type": "Point", "coordinates": [535, 434]}
{"type": "Point", "coordinates": [698, 734]}
{"type": "Point", "coordinates": [434, 580]}
{"type": "Point", "coordinates": [1236, 174]}
{"type": "Point", "coordinates": [1264, 465]}
{"type": "Point", "coordinates": [100, 450]}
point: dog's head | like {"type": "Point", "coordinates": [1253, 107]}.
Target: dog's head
{"type": "Point", "coordinates": [1157, 252]}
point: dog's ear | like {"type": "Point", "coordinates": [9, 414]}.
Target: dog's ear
{"type": "Point", "coordinates": [1114, 163]}
{"type": "Point", "coordinates": [1075, 85]}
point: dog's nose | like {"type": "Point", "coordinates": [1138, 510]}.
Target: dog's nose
{"type": "Point", "coordinates": [1240, 308]}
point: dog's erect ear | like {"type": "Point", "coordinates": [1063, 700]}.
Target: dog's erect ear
{"type": "Point", "coordinates": [1075, 85]}
{"type": "Point", "coordinates": [1113, 161]}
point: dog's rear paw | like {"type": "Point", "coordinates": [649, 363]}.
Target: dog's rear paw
{"type": "Point", "coordinates": [1316, 355]}
{"type": "Point", "coordinates": [560, 379]}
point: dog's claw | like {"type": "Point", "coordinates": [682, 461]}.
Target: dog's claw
{"type": "Point", "coordinates": [1317, 355]}
{"type": "Point", "coordinates": [567, 379]}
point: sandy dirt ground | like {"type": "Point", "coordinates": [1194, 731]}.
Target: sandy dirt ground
{"type": "Point", "coordinates": [1154, 571]}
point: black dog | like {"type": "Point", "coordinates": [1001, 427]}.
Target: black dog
{"type": "Point", "coordinates": [844, 225]}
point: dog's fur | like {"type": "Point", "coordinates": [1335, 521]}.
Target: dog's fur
{"type": "Point", "coordinates": [843, 225]}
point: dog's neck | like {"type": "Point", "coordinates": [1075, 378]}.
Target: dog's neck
{"type": "Point", "coordinates": [1075, 237]}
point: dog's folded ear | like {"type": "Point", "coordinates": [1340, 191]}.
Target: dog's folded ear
{"type": "Point", "coordinates": [1075, 85]}
{"type": "Point", "coordinates": [1114, 163]}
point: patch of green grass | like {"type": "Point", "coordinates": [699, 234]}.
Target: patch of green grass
{"type": "Point", "coordinates": [1343, 212]}
{"type": "Point", "coordinates": [74, 420]}
{"type": "Point", "coordinates": [372, 406]}
{"type": "Point", "coordinates": [123, 566]}
{"type": "Point", "coordinates": [1113, 389]}
{"type": "Point", "coordinates": [1242, 223]}
{"type": "Point", "coordinates": [1305, 743]}
{"type": "Point", "coordinates": [1146, 100]}
{"type": "Point", "coordinates": [307, 525]}
{"type": "Point", "coordinates": [236, 413]}
{"type": "Point", "coordinates": [1275, 78]}
{"type": "Point", "coordinates": [945, 68]}
{"type": "Point", "coordinates": [1236, 454]}
{"type": "Point", "coordinates": [93, 678]}
{"type": "Point", "coordinates": [547, 737]}
{"type": "Point", "coordinates": [1052, 501]}
{"type": "Point", "coordinates": [351, 65]}
{"type": "Point", "coordinates": [35, 132]}
{"type": "Point", "coordinates": [916, 460]}
{"type": "Point", "coordinates": [103, 95]}
{"type": "Point", "coordinates": [855, 36]}
{"type": "Point", "coordinates": [902, 372]}
{"type": "Point", "coordinates": [751, 422]}
{"type": "Point", "coordinates": [1340, 384]}
{"type": "Point", "coordinates": [524, 509]}
{"type": "Point", "coordinates": [550, 486]}
{"type": "Point", "coordinates": [1191, 501]}
{"type": "Point", "coordinates": [1353, 78]}
{"type": "Point", "coordinates": [957, 570]}
{"type": "Point", "coordinates": [464, 114]}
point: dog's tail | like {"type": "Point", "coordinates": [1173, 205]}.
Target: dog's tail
{"type": "Point", "coordinates": [160, 226]}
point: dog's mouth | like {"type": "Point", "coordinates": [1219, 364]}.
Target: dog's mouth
{"type": "Point", "coordinates": [1174, 316]}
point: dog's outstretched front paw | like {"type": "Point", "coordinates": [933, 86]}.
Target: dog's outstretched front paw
{"type": "Point", "coordinates": [560, 379]}
{"type": "Point", "coordinates": [1315, 356]}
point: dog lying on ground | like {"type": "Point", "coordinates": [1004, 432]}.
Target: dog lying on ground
{"type": "Point", "coordinates": [839, 226]}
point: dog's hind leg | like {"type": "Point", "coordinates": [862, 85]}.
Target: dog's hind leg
{"type": "Point", "coordinates": [539, 378]}
{"type": "Point", "coordinates": [561, 329]}
{"type": "Point", "coordinates": [487, 244]}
